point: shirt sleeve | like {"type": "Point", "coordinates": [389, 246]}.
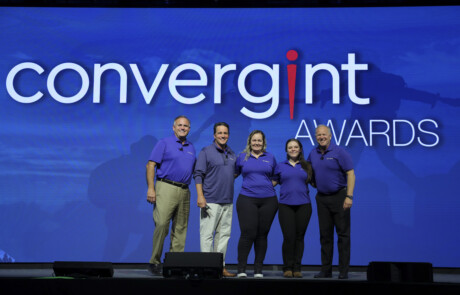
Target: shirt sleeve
{"type": "Point", "coordinates": [345, 160]}
{"type": "Point", "coordinates": [158, 152]}
{"type": "Point", "coordinates": [239, 164]}
{"type": "Point", "coordinates": [200, 168]}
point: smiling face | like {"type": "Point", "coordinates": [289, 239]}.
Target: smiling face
{"type": "Point", "coordinates": [257, 143]}
{"type": "Point", "coordinates": [221, 136]}
{"type": "Point", "coordinates": [181, 128]}
{"type": "Point", "coordinates": [293, 150]}
{"type": "Point", "coordinates": [323, 137]}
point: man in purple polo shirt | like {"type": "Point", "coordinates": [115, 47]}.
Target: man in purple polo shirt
{"type": "Point", "coordinates": [174, 159]}
{"type": "Point", "coordinates": [214, 178]}
{"type": "Point", "coordinates": [335, 182]}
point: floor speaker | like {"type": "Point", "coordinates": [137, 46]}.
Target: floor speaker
{"type": "Point", "coordinates": [400, 272]}
{"type": "Point", "coordinates": [193, 265]}
{"type": "Point", "coordinates": [82, 269]}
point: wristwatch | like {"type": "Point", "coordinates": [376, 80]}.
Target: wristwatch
{"type": "Point", "coordinates": [350, 197]}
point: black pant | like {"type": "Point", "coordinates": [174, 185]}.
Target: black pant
{"type": "Point", "coordinates": [331, 214]}
{"type": "Point", "coordinates": [294, 221]}
{"type": "Point", "coordinates": [255, 216]}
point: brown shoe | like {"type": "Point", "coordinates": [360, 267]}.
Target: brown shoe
{"type": "Point", "coordinates": [287, 274]}
{"type": "Point", "coordinates": [228, 274]}
{"type": "Point", "coordinates": [297, 274]}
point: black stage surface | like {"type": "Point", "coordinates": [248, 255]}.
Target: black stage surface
{"type": "Point", "coordinates": [38, 278]}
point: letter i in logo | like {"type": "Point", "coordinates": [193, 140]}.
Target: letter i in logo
{"type": "Point", "coordinates": [292, 71]}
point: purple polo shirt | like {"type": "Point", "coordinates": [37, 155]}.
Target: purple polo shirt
{"type": "Point", "coordinates": [174, 160]}
{"type": "Point", "coordinates": [215, 170]}
{"type": "Point", "coordinates": [331, 171]}
{"type": "Point", "coordinates": [257, 175]}
{"type": "Point", "coordinates": [293, 189]}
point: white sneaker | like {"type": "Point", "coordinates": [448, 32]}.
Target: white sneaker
{"type": "Point", "coordinates": [258, 275]}
{"type": "Point", "coordinates": [242, 275]}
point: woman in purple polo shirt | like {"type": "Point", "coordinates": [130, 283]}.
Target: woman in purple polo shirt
{"type": "Point", "coordinates": [294, 214]}
{"type": "Point", "coordinates": [257, 203]}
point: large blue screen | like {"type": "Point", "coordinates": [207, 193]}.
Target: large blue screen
{"type": "Point", "coordinates": [87, 92]}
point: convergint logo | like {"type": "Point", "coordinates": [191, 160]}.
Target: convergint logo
{"type": "Point", "coordinates": [175, 83]}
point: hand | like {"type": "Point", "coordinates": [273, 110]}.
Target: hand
{"type": "Point", "coordinates": [151, 196]}
{"type": "Point", "coordinates": [201, 201]}
{"type": "Point", "coordinates": [347, 203]}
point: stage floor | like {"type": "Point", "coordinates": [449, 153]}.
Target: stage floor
{"type": "Point", "coordinates": [38, 279]}
{"type": "Point", "coordinates": [139, 271]}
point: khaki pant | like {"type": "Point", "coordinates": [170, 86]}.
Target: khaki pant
{"type": "Point", "coordinates": [216, 227]}
{"type": "Point", "coordinates": [172, 204]}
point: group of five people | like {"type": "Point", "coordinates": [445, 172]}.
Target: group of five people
{"type": "Point", "coordinates": [328, 168]}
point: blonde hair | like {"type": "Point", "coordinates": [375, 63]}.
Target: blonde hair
{"type": "Point", "coordinates": [247, 149]}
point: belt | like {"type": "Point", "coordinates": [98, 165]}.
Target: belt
{"type": "Point", "coordinates": [334, 193]}
{"type": "Point", "coordinates": [175, 183]}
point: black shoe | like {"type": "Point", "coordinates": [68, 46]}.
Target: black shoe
{"type": "Point", "coordinates": [323, 275]}
{"type": "Point", "coordinates": [155, 269]}
{"type": "Point", "coordinates": [343, 276]}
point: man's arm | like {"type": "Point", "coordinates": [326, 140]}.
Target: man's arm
{"type": "Point", "coordinates": [151, 195]}
{"type": "Point", "coordinates": [201, 200]}
{"type": "Point", "coordinates": [199, 174]}
{"type": "Point", "coordinates": [350, 187]}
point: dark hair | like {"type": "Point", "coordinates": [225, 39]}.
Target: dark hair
{"type": "Point", "coordinates": [221, 124]}
{"type": "Point", "coordinates": [304, 164]}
